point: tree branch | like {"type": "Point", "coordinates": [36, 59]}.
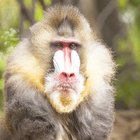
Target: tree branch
{"type": "Point", "coordinates": [44, 6]}
{"type": "Point", "coordinates": [25, 11]}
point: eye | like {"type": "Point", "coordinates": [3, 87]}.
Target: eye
{"type": "Point", "coordinates": [74, 46]}
{"type": "Point", "coordinates": [57, 45]}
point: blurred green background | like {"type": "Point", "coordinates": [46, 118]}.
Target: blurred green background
{"type": "Point", "coordinates": [17, 15]}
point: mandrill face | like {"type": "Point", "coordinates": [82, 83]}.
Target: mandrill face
{"type": "Point", "coordinates": [65, 85]}
{"type": "Point", "coordinates": [81, 64]}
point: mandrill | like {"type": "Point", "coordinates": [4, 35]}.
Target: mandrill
{"type": "Point", "coordinates": [58, 82]}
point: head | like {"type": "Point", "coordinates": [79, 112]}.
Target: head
{"type": "Point", "coordinates": [63, 42]}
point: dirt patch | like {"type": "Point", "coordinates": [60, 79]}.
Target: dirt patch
{"type": "Point", "coordinates": [127, 125]}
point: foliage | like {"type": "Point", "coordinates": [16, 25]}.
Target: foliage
{"type": "Point", "coordinates": [129, 56]}
{"type": "Point", "coordinates": [8, 35]}
{"type": "Point", "coordinates": [8, 13]}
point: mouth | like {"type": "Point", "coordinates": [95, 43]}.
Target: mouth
{"type": "Point", "coordinates": [65, 88]}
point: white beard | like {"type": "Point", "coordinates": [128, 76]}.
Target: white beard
{"type": "Point", "coordinates": [63, 102]}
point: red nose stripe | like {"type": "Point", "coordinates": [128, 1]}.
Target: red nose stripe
{"type": "Point", "coordinates": [67, 57]}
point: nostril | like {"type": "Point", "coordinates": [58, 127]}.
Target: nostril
{"type": "Point", "coordinates": [72, 75]}
{"type": "Point", "coordinates": [66, 76]}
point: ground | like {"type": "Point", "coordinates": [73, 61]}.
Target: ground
{"type": "Point", "coordinates": [127, 125]}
